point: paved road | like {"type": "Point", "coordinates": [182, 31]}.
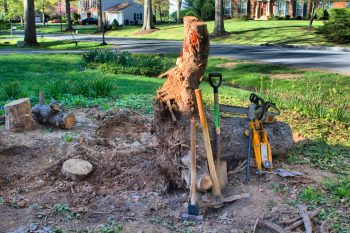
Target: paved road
{"type": "Point", "coordinates": [333, 60]}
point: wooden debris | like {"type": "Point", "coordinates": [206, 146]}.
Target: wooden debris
{"type": "Point", "coordinates": [76, 169]}
{"type": "Point", "coordinates": [293, 220]}
{"type": "Point", "coordinates": [53, 114]}
{"type": "Point", "coordinates": [18, 116]}
{"type": "Point", "coordinates": [306, 218]}
{"type": "Point", "coordinates": [300, 222]}
{"type": "Point", "coordinates": [262, 226]}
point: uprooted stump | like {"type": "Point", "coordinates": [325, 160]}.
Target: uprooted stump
{"type": "Point", "coordinates": [18, 116]}
{"type": "Point", "coordinates": [175, 104]}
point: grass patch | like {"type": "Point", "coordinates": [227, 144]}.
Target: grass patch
{"type": "Point", "coordinates": [51, 44]}
{"type": "Point", "coordinates": [250, 32]}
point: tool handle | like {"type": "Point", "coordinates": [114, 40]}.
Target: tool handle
{"type": "Point", "coordinates": [212, 170]}
{"type": "Point", "coordinates": [217, 84]}
{"type": "Point", "coordinates": [193, 161]}
{"type": "Point", "coordinates": [247, 174]}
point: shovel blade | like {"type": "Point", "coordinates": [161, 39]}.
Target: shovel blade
{"type": "Point", "coordinates": [221, 170]}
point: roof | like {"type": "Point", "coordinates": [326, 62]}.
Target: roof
{"type": "Point", "coordinates": [120, 7]}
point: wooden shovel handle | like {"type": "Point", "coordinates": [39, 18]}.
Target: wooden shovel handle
{"type": "Point", "coordinates": [207, 144]}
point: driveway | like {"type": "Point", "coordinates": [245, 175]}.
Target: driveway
{"type": "Point", "coordinates": [335, 60]}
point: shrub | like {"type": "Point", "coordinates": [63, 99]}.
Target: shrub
{"type": "Point", "coordinates": [57, 87]}
{"type": "Point", "coordinates": [338, 12]}
{"type": "Point", "coordinates": [115, 25]}
{"type": "Point", "coordinates": [287, 17]}
{"type": "Point", "coordinates": [4, 25]}
{"type": "Point", "coordinates": [108, 61]}
{"type": "Point", "coordinates": [299, 17]}
{"type": "Point", "coordinates": [55, 21]}
{"type": "Point", "coordinates": [337, 29]}
{"type": "Point", "coordinates": [190, 12]}
{"type": "Point", "coordinates": [208, 11]}
{"type": "Point", "coordinates": [101, 87]}
{"type": "Point", "coordinates": [12, 89]}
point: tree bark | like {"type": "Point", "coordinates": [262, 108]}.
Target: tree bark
{"type": "Point", "coordinates": [175, 103]}
{"type": "Point", "coordinates": [178, 10]}
{"type": "Point", "coordinates": [100, 16]}
{"type": "Point", "coordinates": [68, 16]}
{"type": "Point", "coordinates": [18, 116]}
{"type": "Point", "coordinates": [313, 14]}
{"type": "Point", "coordinates": [54, 115]}
{"type": "Point", "coordinates": [29, 21]}
{"type": "Point", "coordinates": [219, 28]}
{"type": "Point", "coordinates": [148, 23]}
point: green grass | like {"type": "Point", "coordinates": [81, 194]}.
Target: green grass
{"type": "Point", "coordinates": [251, 32]}
{"type": "Point", "coordinates": [8, 42]}
{"type": "Point", "coordinates": [55, 28]}
{"type": "Point", "coordinates": [328, 144]}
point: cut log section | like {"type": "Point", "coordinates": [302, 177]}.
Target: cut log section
{"type": "Point", "coordinates": [76, 169]}
{"type": "Point", "coordinates": [18, 116]}
{"type": "Point", "coordinates": [235, 142]}
{"type": "Point", "coordinates": [53, 114]}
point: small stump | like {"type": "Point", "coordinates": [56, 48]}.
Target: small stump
{"type": "Point", "coordinates": [76, 169]}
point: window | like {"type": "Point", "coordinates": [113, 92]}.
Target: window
{"type": "Point", "coordinates": [242, 6]}
{"type": "Point", "coordinates": [282, 8]}
{"type": "Point", "coordinates": [227, 7]}
{"type": "Point", "coordinates": [287, 8]}
{"type": "Point", "coordinates": [300, 8]}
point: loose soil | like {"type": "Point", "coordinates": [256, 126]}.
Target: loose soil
{"type": "Point", "coordinates": [126, 185]}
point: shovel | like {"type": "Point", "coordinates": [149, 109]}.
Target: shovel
{"type": "Point", "coordinates": [221, 166]}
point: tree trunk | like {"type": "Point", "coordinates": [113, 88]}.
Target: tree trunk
{"type": "Point", "coordinates": [18, 116]}
{"type": "Point", "coordinates": [219, 28]}
{"type": "Point", "coordinates": [29, 21]}
{"type": "Point", "coordinates": [69, 21]}
{"type": "Point", "coordinates": [160, 13]}
{"type": "Point", "coordinates": [175, 104]}
{"type": "Point", "coordinates": [313, 14]}
{"type": "Point", "coordinates": [148, 23]}
{"type": "Point", "coordinates": [178, 10]}
{"type": "Point", "coordinates": [100, 16]}
{"type": "Point", "coordinates": [43, 16]}
{"type": "Point", "coordinates": [22, 21]}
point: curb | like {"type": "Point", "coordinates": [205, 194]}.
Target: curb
{"type": "Point", "coordinates": [335, 48]}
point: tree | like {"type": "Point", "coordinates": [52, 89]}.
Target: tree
{"type": "Point", "coordinates": [99, 16]}
{"type": "Point", "coordinates": [178, 9]}
{"type": "Point", "coordinates": [316, 5]}
{"type": "Point", "coordinates": [29, 22]}
{"type": "Point", "coordinates": [68, 16]}
{"type": "Point", "coordinates": [12, 9]}
{"type": "Point", "coordinates": [219, 28]}
{"type": "Point", "coordinates": [148, 23]}
{"type": "Point", "coordinates": [162, 7]}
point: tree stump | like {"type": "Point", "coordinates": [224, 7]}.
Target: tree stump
{"type": "Point", "coordinates": [76, 169]}
{"type": "Point", "coordinates": [18, 116]}
{"type": "Point", "coordinates": [175, 103]}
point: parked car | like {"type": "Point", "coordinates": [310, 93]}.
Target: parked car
{"type": "Point", "coordinates": [88, 21]}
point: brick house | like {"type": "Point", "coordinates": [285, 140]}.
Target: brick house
{"type": "Point", "coordinates": [263, 9]}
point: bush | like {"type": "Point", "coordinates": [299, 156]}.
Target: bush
{"type": "Point", "coordinates": [12, 89]}
{"type": "Point", "coordinates": [190, 12]}
{"type": "Point", "coordinates": [338, 12]}
{"type": "Point", "coordinates": [287, 17]}
{"type": "Point", "coordinates": [115, 24]}
{"type": "Point", "coordinates": [208, 11]}
{"type": "Point", "coordinates": [299, 17]}
{"type": "Point", "coordinates": [337, 29]}
{"type": "Point", "coordinates": [55, 21]}
{"type": "Point", "coordinates": [4, 25]}
{"type": "Point", "coordinates": [183, 13]}
{"type": "Point", "coordinates": [108, 61]}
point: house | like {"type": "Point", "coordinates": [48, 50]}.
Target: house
{"type": "Point", "coordinates": [124, 11]}
{"type": "Point", "coordinates": [263, 9]}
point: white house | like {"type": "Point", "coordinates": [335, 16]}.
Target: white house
{"type": "Point", "coordinates": [125, 13]}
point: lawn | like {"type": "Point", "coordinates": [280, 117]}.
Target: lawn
{"type": "Point", "coordinates": [55, 28]}
{"type": "Point", "coordinates": [8, 42]}
{"type": "Point", "coordinates": [250, 32]}
{"type": "Point", "coordinates": [309, 100]}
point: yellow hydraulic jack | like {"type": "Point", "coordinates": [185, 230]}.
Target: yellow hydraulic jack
{"type": "Point", "coordinates": [258, 114]}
